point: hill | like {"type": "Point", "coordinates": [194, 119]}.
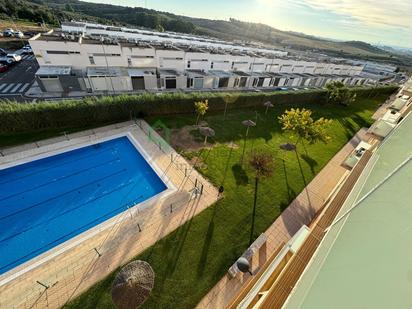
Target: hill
{"type": "Point", "coordinates": [55, 11]}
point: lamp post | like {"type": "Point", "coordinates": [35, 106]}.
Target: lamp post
{"type": "Point", "coordinates": [248, 123]}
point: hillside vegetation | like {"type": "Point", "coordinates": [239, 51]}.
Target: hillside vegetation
{"type": "Point", "coordinates": [54, 11]}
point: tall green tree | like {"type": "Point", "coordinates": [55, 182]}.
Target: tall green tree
{"type": "Point", "coordinates": [339, 93]}
{"type": "Point", "coordinates": [303, 127]}
{"type": "Point", "coordinates": [263, 166]}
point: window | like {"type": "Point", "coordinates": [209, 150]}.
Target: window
{"type": "Point", "coordinates": [62, 52]}
{"type": "Point", "coordinates": [236, 82]}
{"type": "Point", "coordinates": [129, 61]}
{"type": "Point", "coordinates": [91, 59]}
{"type": "Point", "coordinates": [141, 57]}
{"type": "Point", "coordinates": [106, 55]}
{"type": "Point", "coordinates": [233, 64]}
{"type": "Point", "coordinates": [211, 65]}
{"type": "Point", "coordinates": [49, 77]}
{"type": "Point", "coordinates": [188, 63]}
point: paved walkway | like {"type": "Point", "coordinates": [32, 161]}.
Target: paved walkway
{"type": "Point", "coordinates": [301, 211]}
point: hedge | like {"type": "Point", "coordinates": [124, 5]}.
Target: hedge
{"type": "Point", "coordinates": [93, 111]}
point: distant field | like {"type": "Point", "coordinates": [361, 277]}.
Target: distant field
{"type": "Point", "coordinates": [15, 43]}
{"type": "Point", "coordinates": [20, 25]}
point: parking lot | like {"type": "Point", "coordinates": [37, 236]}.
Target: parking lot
{"type": "Point", "coordinates": [18, 78]}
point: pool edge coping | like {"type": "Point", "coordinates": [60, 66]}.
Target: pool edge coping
{"type": "Point", "coordinates": [48, 255]}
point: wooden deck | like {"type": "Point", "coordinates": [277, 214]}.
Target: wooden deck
{"type": "Point", "coordinates": [294, 269]}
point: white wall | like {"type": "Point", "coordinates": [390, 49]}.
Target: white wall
{"type": "Point", "coordinates": [140, 57]}
{"type": "Point", "coordinates": [171, 59]}
{"type": "Point", "coordinates": [181, 82]}
{"type": "Point", "coordinates": [150, 82]}
{"type": "Point", "coordinates": [198, 61]}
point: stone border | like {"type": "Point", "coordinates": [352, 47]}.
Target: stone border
{"type": "Point", "coordinates": [53, 252]}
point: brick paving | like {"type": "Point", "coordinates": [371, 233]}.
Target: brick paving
{"type": "Point", "coordinates": [301, 211]}
{"type": "Point", "coordinates": [79, 266]}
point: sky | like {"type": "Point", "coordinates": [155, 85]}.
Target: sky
{"type": "Point", "coordinates": [385, 22]}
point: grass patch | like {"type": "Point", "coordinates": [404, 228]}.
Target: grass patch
{"type": "Point", "coordinates": [189, 261]}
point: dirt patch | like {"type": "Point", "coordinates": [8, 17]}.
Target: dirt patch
{"type": "Point", "coordinates": [184, 139]}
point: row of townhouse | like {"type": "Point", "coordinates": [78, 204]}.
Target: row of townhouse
{"type": "Point", "coordinates": [377, 71]}
{"type": "Point", "coordinates": [80, 63]}
{"type": "Point", "coordinates": [99, 30]}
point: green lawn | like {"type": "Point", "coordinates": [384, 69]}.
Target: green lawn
{"type": "Point", "coordinates": [189, 261]}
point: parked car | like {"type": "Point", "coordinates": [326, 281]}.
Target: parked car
{"type": "Point", "coordinates": [3, 68]}
{"type": "Point", "coordinates": [8, 32]}
{"type": "Point", "coordinates": [27, 50]}
{"type": "Point", "coordinates": [15, 57]}
{"type": "Point", "coordinates": [18, 34]}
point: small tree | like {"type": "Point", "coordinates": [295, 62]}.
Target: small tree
{"type": "Point", "coordinates": [201, 109]}
{"type": "Point", "coordinates": [299, 122]}
{"type": "Point", "coordinates": [263, 165]}
{"type": "Point", "coordinates": [338, 93]}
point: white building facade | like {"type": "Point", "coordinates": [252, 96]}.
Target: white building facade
{"type": "Point", "coordinates": [93, 52]}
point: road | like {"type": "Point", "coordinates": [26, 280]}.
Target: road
{"type": "Point", "coordinates": [18, 79]}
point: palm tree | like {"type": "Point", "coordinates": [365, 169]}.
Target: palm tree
{"type": "Point", "coordinates": [263, 165]}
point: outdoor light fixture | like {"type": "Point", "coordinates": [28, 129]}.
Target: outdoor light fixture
{"type": "Point", "coordinates": [244, 266]}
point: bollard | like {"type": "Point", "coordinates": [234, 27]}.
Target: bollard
{"type": "Point", "coordinates": [201, 189]}
{"type": "Point", "coordinates": [98, 253]}
{"type": "Point", "coordinates": [171, 208]}
{"type": "Point", "coordinates": [138, 226]}
{"type": "Point", "coordinates": [42, 284]}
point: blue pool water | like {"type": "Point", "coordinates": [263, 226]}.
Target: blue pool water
{"type": "Point", "coordinates": [48, 201]}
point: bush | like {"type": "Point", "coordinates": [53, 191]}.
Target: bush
{"type": "Point", "coordinates": [93, 111]}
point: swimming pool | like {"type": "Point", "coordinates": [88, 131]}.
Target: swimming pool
{"type": "Point", "coordinates": [46, 202]}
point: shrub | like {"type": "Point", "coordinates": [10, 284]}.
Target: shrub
{"type": "Point", "coordinates": [93, 111]}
